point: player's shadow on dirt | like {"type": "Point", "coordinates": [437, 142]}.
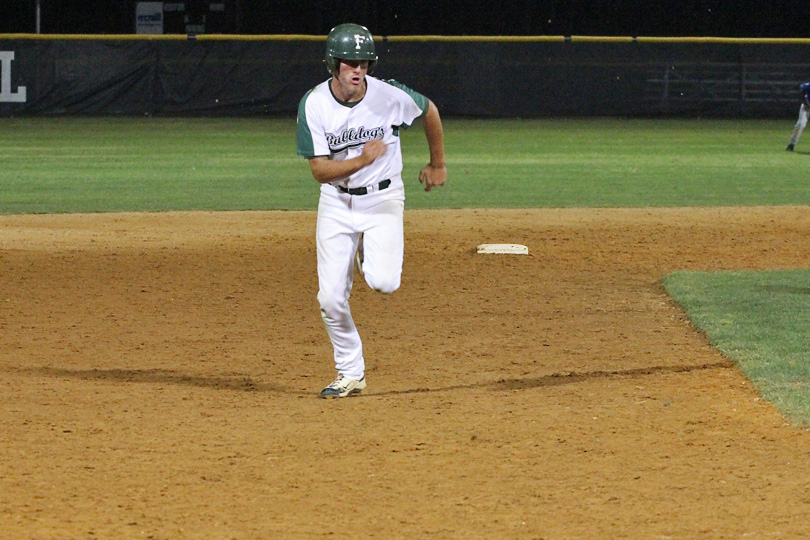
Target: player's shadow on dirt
{"type": "Point", "coordinates": [161, 376]}
{"type": "Point", "coordinates": [246, 384]}
{"type": "Point", "coordinates": [559, 379]}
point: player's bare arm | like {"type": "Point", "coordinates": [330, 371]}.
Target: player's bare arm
{"type": "Point", "coordinates": [325, 170]}
{"type": "Point", "coordinates": [435, 172]}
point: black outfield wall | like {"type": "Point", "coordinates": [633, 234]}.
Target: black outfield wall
{"type": "Point", "coordinates": [234, 76]}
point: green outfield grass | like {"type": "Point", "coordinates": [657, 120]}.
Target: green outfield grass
{"type": "Point", "coordinates": [761, 321]}
{"type": "Point", "coordinates": [116, 164]}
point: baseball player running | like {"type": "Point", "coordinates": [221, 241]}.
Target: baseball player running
{"type": "Point", "coordinates": [804, 112]}
{"type": "Point", "coordinates": [348, 129]}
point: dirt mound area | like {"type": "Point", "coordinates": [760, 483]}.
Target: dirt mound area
{"type": "Point", "coordinates": [159, 379]}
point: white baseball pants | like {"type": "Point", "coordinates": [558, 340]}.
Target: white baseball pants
{"type": "Point", "coordinates": [804, 112]}
{"type": "Point", "coordinates": [341, 219]}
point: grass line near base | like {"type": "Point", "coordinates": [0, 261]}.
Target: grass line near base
{"type": "Point", "coordinates": [760, 320]}
{"type": "Point", "coordinates": [111, 164]}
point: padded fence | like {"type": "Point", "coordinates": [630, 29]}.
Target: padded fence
{"type": "Point", "coordinates": [472, 77]}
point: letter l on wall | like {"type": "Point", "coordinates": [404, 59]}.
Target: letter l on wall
{"type": "Point", "coordinates": [6, 95]}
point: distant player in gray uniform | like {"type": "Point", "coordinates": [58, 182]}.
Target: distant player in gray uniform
{"type": "Point", "coordinates": [804, 113]}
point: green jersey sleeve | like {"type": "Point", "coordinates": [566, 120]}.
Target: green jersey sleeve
{"type": "Point", "coordinates": [304, 145]}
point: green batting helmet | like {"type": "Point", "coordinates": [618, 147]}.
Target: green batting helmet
{"type": "Point", "coordinates": [349, 42]}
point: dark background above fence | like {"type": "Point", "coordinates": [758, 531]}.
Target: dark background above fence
{"type": "Point", "coordinates": [722, 18]}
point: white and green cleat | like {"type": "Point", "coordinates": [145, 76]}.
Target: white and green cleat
{"type": "Point", "coordinates": [343, 387]}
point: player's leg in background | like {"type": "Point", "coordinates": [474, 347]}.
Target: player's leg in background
{"type": "Point", "coordinates": [336, 243]}
{"type": "Point", "coordinates": [799, 127]}
{"type": "Point", "coordinates": [384, 244]}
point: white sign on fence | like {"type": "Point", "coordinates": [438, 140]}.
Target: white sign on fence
{"type": "Point", "coordinates": [149, 18]}
{"type": "Point", "coordinates": [6, 95]}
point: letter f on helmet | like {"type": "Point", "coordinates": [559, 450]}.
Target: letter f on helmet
{"type": "Point", "coordinates": [349, 42]}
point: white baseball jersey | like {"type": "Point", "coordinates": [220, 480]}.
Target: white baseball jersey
{"type": "Point", "coordinates": [329, 127]}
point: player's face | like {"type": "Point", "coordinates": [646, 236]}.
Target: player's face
{"type": "Point", "coordinates": [351, 79]}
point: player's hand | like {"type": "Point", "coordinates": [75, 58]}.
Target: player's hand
{"type": "Point", "coordinates": [432, 175]}
{"type": "Point", "coordinates": [373, 149]}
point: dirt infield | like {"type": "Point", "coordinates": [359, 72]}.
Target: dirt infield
{"type": "Point", "coordinates": [159, 374]}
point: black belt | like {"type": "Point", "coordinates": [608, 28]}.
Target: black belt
{"type": "Point", "coordinates": [364, 191]}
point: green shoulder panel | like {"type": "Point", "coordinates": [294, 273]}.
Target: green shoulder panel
{"type": "Point", "coordinates": [304, 145]}
{"type": "Point", "coordinates": [421, 101]}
